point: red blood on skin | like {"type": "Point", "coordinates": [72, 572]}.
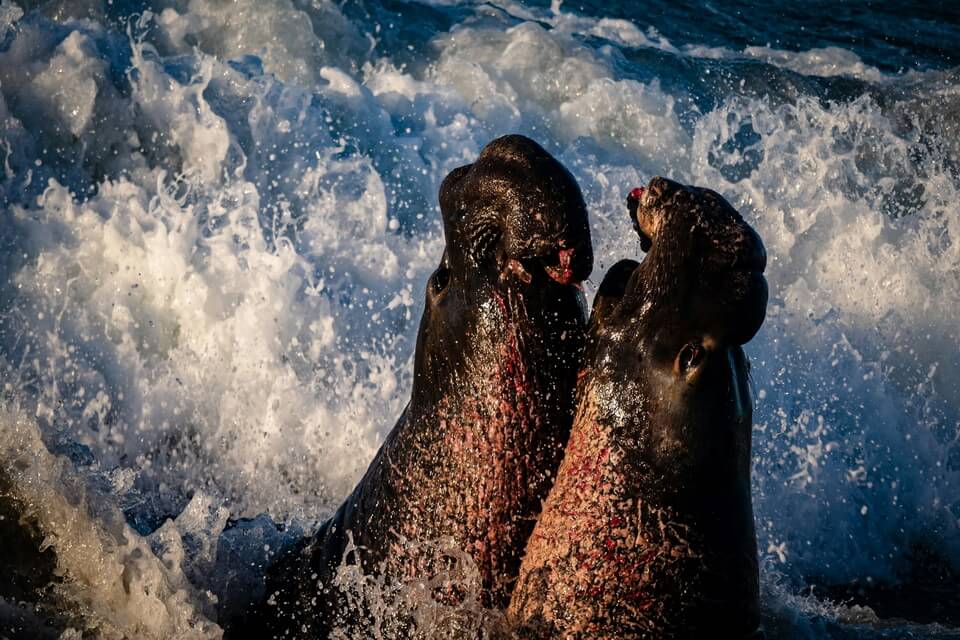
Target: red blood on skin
{"type": "Point", "coordinates": [636, 194]}
{"type": "Point", "coordinates": [563, 273]}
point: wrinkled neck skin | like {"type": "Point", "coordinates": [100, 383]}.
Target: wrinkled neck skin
{"type": "Point", "coordinates": [495, 373]}
{"type": "Point", "coordinates": [490, 413]}
{"type": "Point", "coordinates": [471, 458]}
{"type": "Point", "coordinates": [493, 399]}
{"type": "Point", "coordinates": [678, 477]}
{"type": "Point", "coordinates": [648, 530]}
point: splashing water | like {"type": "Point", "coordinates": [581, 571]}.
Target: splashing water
{"type": "Point", "coordinates": [443, 602]}
{"type": "Point", "coordinates": [218, 219]}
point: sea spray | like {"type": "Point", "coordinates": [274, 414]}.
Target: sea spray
{"type": "Point", "coordinates": [217, 222]}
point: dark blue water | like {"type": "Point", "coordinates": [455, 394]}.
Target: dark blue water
{"type": "Point", "coordinates": [892, 36]}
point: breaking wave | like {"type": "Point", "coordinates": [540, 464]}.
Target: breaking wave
{"type": "Point", "coordinates": [217, 223]}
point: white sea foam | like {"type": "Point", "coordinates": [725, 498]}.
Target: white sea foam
{"type": "Point", "coordinates": [824, 62]}
{"type": "Point", "coordinates": [858, 412]}
{"type": "Point", "coordinates": [111, 580]}
{"type": "Point", "coordinates": [217, 226]}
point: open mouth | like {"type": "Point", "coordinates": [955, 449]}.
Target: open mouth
{"type": "Point", "coordinates": [559, 266]}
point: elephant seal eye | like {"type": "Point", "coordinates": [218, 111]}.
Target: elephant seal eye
{"type": "Point", "coordinates": [690, 356]}
{"type": "Point", "coordinates": [440, 280]}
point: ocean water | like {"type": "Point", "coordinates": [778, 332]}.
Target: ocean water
{"type": "Point", "coordinates": [218, 219]}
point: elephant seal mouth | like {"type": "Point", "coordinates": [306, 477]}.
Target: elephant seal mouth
{"type": "Point", "coordinates": [561, 266]}
{"type": "Point", "coordinates": [517, 214]}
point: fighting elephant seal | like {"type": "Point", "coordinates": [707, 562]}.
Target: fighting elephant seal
{"type": "Point", "coordinates": [648, 531]}
{"type": "Point", "coordinates": [497, 354]}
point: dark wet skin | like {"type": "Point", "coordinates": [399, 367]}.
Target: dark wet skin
{"type": "Point", "coordinates": [648, 531]}
{"type": "Point", "coordinates": [495, 368]}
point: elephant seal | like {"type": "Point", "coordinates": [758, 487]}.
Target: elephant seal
{"type": "Point", "coordinates": [648, 530]}
{"type": "Point", "coordinates": [497, 354]}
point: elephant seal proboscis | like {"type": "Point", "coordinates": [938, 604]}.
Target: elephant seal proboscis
{"type": "Point", "coordinates": [648, 531]}
{"type": "Point", "coordinates": [474, 453]}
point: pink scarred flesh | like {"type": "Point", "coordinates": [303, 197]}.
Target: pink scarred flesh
{"type": "Point", "coordinates": [563, 273]}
